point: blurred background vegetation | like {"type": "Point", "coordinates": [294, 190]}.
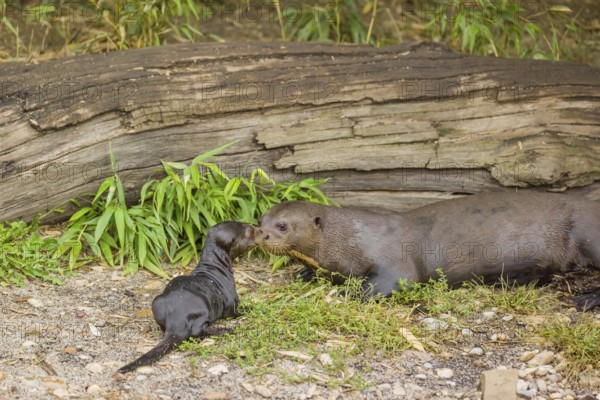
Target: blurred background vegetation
{"type": "Point", "coordinates": [543, 29]}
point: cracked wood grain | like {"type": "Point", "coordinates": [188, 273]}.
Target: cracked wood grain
{"type": "Point", "coordinates": [395, 127]}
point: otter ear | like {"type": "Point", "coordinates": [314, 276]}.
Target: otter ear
{"type": "Point", "coordinates": [317, 221]}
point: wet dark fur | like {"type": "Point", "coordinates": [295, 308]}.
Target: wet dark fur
{"type": "Point", "coordinates": [521, 236]}
{"type": "Point", "coordinates": [189, 304]}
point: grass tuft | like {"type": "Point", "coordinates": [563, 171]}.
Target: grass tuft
{"type": "Point", "coordinates": [438, 297]}
{"type": "Point", "coordinates": [578, 340]}
{"type": "Point", "coordinates": [310, 318]}
{"type": "Point", "coordinates": [505, 28]}
{"type": "Point", "coordinates": [25, 253]}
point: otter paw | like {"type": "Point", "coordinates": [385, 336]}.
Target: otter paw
{"type": "Point", "coordinates": [306, 275]}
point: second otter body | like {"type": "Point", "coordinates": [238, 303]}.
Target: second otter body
{"type": "Point", "coordinates": [523, 236]}
{"type": "Point", "coordinates": [191, 303]}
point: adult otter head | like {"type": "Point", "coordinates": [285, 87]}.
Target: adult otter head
{"type": "Point", "coordinates": [233, 237]}
{"type": "Point", "coordinates": [293, 226]}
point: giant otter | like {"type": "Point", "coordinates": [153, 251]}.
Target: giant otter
{"type": "Point", "coordinates": [521, 236]}
{"type": "Point", "coordinates": [189, 304]}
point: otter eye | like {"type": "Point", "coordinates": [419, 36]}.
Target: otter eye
{"type": "Point", "coordinates": [282, 226]}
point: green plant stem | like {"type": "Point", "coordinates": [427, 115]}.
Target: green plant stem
{"type": "Point", "coordinates": [280, 18]}
{"type": "Point", "coordinates": [373, 13]}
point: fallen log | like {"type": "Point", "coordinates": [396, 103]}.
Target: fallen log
{"type": "Point", "coordinates": [396, 127]}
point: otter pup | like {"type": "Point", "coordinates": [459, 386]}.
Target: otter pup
{"type": "Point", "coordinates": [521, 236]}
{"type": "Point", "coordinates": [189, 304]}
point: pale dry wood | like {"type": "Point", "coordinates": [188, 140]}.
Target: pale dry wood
{"type": "Point", "coordinates": [396, 127]}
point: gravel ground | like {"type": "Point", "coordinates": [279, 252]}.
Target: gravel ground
{"type": "Point", "coordinates": [67, 342]}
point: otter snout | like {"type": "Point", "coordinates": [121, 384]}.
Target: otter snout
{"type": "Point", "coordinates": [264, 236]}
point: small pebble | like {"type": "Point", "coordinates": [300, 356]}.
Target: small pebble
{"type": "Point", "coordinates": [94, 367]}
{"type": "Point", "coordinates": [467, 332]}
{"type": "Point", "coordinates": [398, 390]}
{"type": "Point", "coordinates": [145, 370]}
{"type": "Point", "coordinates": [445, 373]}
{"type": "Point", "coordinates": [28, 343]}
{"type": "Point", "coordinates": [263, 391]}
{"type": "Point", "coordinates": [432, 324]}
{"type": "Point", "coordinates": [541, 372]}
{"type": "Point", "coordinates": [249, 388]}
{"type": "Point", "coordinates": [216, 396]}
{"type": "Point", "coordinates": [421, 376]}
{"type": "Point", "coordinates": [489, 314]}
{"type": "Point", "coordinates": [527, 394]}
{"type": "Point", "coordinates": [61, 393]}
{"type": "Point", "coordinates": [561, 366]}
{"type": "Point", "coordinates": [553, 389]}
{"type": "Point", "coordinates": [528, 355]}
{"type": "Point", "coordinates": [507, 318]}
{"type": "Point", "coordinates": [428, 365]}
{"type": "Point", "coordinates": [541, 384]}
{"type": "Point", "coordinates": [325, 359]}
{"type": "Point", "coordinates": [476, 351]}
{"type": "Point", "coordinates": [93, 389]}
{"type": "Point", "coordinates": [218, 370]}
{"type": "Point", "coordinates": [543, 358]}
{"type": "Point", "coordinates": [35, 303]}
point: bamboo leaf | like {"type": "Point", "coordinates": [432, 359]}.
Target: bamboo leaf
{"type": "Point", "coordinates": [212, 153]}
{"type": "Point", "coordinates": [107, 253]}
{"type": "Point", "coordinates": [80, 214]}
{"type": "Point", "coordinates": [103, 223]}
{"type": "Point", "coordinates": [141, 247]}
{"type": "Point", "coordinates": [103, 186]}
{"type": "Point", "coordinates": [120, 222]}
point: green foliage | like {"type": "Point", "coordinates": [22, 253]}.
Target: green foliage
{"type": "Point", "coordinates": [342, 21]}
{"type": "Point", "coordinates": [504, 28]}
{"type": "Point", "coordinates": [520, 299]}
{"type": "Point", "coordinates": [437, 296]}
{"type": "Point", "coordinates": [173, 214]}
{"type": "Point", "coordinates": [307, 318]}
{"type": "Point", "coordinates": [25, 253]}
{"type": "Point", "coordinates": [578, 340]}
{"type": "Point", "coordinates": [9, 28]}
{"type": "Point", "coordinates": [143, 23]}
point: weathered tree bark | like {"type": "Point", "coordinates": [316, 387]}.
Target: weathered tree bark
{"type": "Point", "coordinates": [396, 127]}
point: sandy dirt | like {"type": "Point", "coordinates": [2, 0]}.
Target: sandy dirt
{"type": "Point", "coordinates": [67, 342]}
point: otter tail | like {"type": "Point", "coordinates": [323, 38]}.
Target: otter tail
{"type": "Point", "coordinates": [168, 343]}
